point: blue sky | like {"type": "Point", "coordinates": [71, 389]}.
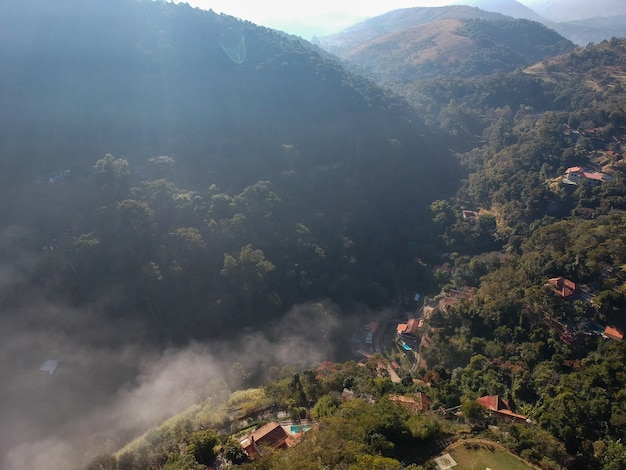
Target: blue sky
{"type": "Point", "coordinates": [316, 17]}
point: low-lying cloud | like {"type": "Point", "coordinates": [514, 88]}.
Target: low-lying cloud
{"type": "Point", "coordinates": [111, 383]}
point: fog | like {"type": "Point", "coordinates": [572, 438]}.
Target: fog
{"type": "Point", "coordinates": [112, 382]}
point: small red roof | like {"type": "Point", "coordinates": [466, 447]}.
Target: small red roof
{"type": "Point", "coordinates": [574, 169]}
{"type": "Point", "coordinates": [613, 332]}
{"type": "Point", "coordinates": [497, 405]}
{"type": "Point", "coordinates": [594, 175]}
{"type": "Point", "coordinates": [493, 403]}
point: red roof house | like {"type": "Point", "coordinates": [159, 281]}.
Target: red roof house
{"type": "Point", "coordinates": [409, 329]}
{"type": "Point", "coordinates": [271, 436]}
{"type": "Point", "coordinates": [564, 287]}
{"type": "Point", "coordinates": [578, 174]}
{"type": "Point", "coordinates": [500, 408]}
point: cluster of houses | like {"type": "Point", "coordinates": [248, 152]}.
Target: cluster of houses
{"type": "Point", "coordinates": [607, 159]}
{"type": "Point", "coordinates": [274, 435]}
{"type": "Point", "coordinates": [570, 290]}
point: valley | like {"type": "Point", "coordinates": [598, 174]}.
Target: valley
{"type": "Point", "coordinates": [216, 231]}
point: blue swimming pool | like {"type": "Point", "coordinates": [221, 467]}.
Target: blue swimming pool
{"type": "Point", "coordinates": [296, 428]}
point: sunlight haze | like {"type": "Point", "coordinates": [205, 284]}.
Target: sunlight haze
{"type": "Point", "coordinates": [312, 18]}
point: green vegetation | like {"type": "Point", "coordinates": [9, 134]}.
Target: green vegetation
{"type": "Point", "coordinates": [275, 182]}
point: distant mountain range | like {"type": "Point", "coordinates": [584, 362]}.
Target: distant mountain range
{"type": "Point", "coordinates": [420, 43]}
{"type": "Point", "coordinates": [573, 10]}
{"type": "Point", "coordinates": [580, 21]}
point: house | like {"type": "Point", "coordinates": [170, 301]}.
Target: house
{"type": "Point", "coordinates": [410, 329]}
{"type": "Point", "coordinates": [562, 286]}
{"type": "Point", "coordinates": [271, 436]}
{"type": "Point", "coordinates": [500, 408]}
{"type": "Point", "coordinates": [415, 404]}
{"type": "Point", "coordinates": [578, 174]}
{"type": "Point", "coordinates": [470, 216]}
{"type": "Point", "coordinates": [613, 333]}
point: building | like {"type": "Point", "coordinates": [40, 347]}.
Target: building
{"type": "Point", "coordinates": [562, 286]}
{"type": "Point", "coordinates": [410, 330]}
{"type": "Point", "coordinates": [578, 174]}
{"type": "Point", "coordinates": [500, 409]}
{"type": "Point", "coordinates": [470, 216]}
{"type": "Point", "coordinates": [271, 436]}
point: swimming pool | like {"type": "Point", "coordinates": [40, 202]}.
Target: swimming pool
{"type": "Point", "coordinates": [296, 428]}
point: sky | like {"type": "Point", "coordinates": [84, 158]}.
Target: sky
{"type": "Point", "coordinates": [313, 18]}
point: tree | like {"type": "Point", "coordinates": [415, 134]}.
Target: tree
{"type": "Point", "coordinates": [202, 445]}
{"type": "Point", "coordinates": [233, 452]}
{"type": "Point", "coordinates": [112, 175]}
{"type": "Point", "coordinates": [474, 413]}
{"type": "Point", "coordinates": [326, 406]}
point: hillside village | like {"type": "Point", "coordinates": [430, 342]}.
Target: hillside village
{"type": "Point", "coordinates": [243, 253]}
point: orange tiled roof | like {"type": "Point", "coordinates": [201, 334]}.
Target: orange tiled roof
{"type": "Point", "coordinates": [271, 435]}
{"type": "Point", "coordinates": [574, 169]}
{"type": "Point", "coordinates": [613, 332]}
{"type": "Point", "coordinates": [564, 287]}
{"type": "Point", "coordinates": [497, 405]}
{"type": "Point", "coordinates": [410, 328]}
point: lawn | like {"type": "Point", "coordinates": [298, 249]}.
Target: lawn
{"type": "Point", "coordinates": [480, 456]}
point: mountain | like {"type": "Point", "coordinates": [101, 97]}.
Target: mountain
{"type": "Point", "coordinates": [394, 21]}
{"type": "Point", "coordinates": [511, 8]}
{"type": "Point", "coordinates": [581, 23]}
{"type": "Point", "coordinates": [599, 67]}
{"type": "Point", "coordinates": [571, 10]}
{"type": "Point", "coordinates": [419, 43]}
{"type": "Point", "coordinates": [142, 78]}
{"type": "Point", "coordinates": [534, 125]}
{"type": "Point", "coordinates": [596, 29]}
{"type": "Point", "coordinates": [170, 175]}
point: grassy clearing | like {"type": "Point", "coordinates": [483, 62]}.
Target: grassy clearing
{"type": "Point", "coordinates": [480, 456]}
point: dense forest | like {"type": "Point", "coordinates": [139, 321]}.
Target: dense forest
{"type": "Point", "coordinates": [193, 185]}
{"type": "Point", "coordinates": [513, 337]}
{"type": "Point", "coordinates": [206, 180]}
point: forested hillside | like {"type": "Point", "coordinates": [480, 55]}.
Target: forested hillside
{"type": "Point", "coordinates": [192, 205]}
{"type": "Point", "coordinates": [240, 165]}
{"type": "Point", "coordinates": [520, 227]}
{"type": "Point", "coordinates": [402, 46]}
{"type": "Point", "coordinates": [517, 336]}
{"type": "Point", "coordinates": [169, 175]}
